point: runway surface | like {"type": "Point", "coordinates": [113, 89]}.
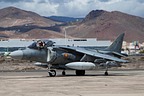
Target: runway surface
{"type": "Point", "coordinates": [118, 83]}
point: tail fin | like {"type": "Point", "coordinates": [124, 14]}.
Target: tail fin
{"type": "Point", "coordinates": [116, 46]}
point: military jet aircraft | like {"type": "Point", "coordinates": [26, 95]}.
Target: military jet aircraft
{"type": "Point", "coordinates": [72, 58]}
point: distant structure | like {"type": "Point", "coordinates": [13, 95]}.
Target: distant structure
{"type": "Point", "coordinates": [133, 47]}
{"type": "Point", "coordinates": [80, 42]}
{"type": "Point", "coordinates": [8, 45]}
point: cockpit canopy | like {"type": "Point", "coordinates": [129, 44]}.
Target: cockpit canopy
{"type": "Point", "coordinates": [41, 44]}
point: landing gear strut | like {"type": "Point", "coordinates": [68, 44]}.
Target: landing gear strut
{"type": "Point", "coordinates": [106, 72]}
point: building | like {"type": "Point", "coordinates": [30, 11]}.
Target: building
{"type": "Point", "coordinates": [89, 42]}
{"type": "Point", "coordinates": [9, 45]}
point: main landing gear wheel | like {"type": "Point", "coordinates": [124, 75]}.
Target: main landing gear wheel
{"type": "Point", "coordinates": [63, 73]}
{"type": "Point", "coordinates": [52, 73]}
{"type": "Point", "coordinates": [80, 72]}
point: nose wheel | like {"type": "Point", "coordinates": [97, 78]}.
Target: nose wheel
{"type": "Point", "coordinates": [52, 73]}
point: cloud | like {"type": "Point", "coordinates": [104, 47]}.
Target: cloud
{"type": "Point", "coordinates": [14, 1]}
{"type": "Point", "coordinates": [134, 7]}
{"type": "Point", "coordinates": [76, 8]}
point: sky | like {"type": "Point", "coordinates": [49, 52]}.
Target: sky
{"type": "Point", "coordinates": [76, 8]}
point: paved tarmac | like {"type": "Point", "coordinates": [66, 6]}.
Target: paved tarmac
{"type": "Point", "coordinates": [118, 83]}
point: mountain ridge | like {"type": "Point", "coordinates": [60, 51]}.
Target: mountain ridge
{"type": "Point", "coordinates": [108, 25]}
{"type": "Point", "coordinates": [15, 22]}
{"type": "Point", "coordinates": [100, 24]}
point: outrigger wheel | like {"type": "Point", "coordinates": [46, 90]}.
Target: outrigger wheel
{"type": "Point", "coordinates": [106, 73]}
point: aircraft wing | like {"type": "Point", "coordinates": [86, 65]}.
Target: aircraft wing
{"type": "Point", "coordinates": [95, 54]}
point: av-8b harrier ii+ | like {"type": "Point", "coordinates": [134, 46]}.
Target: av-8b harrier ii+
{"type": "Point", "coordinates": [72, 58]}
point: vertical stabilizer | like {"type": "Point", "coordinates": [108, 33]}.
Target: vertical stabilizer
{"type": "Point", "coordinates": [116, 46]}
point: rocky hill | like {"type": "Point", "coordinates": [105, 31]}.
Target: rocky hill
{"type": "Point", "coordinates": [107, 25]}
{"type": "Point", "coordinates": [12, 16]}
{"type": "Point", "coordinates": [17, 23]}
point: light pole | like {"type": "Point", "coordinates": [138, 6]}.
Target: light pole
{"type": "Point", "coordinates": [65, 36]}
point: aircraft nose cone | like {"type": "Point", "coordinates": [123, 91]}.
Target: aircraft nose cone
{"type": "Point", "coordinates": [16, 54]}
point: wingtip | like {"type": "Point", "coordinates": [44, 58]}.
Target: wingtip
{"type": "Point", "coordinates": [126, 61]}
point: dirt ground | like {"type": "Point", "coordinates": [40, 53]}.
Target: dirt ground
{"type": "Point", "coordinates": [118, 83]}
{"type": "Point", "coordinates": [21, 78]}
